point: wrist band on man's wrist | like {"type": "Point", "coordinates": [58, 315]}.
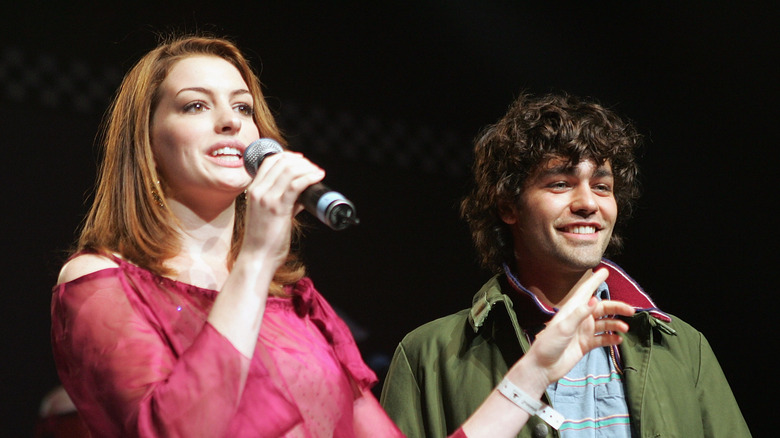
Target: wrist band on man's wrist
{"type": "Point", "coordinates": [529, 404]}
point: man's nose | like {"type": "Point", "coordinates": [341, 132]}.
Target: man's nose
{"type": "Point", "coordinates": [584, 200]}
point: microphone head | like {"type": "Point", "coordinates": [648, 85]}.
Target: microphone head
{"type": "Point", "coordinates": [257, 151]}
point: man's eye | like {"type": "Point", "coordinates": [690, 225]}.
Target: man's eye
{"type": "Point", "coordinates": [558, 185]}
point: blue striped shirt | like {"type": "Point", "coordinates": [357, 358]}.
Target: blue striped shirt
{"type": "Point", "coordinates": [591, 395]}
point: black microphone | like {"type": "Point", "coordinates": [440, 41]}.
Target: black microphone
{"type": "Point", "coordinates": [330, 207]}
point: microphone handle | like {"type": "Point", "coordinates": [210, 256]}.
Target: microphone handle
{"type": "Point", "coordinates": [330, 207]}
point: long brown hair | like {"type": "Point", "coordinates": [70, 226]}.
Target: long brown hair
{"type": "Point", "coordinates": [129, 215]}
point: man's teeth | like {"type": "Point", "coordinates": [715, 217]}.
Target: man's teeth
{"type": "Point", "coordinates": [582, 230]}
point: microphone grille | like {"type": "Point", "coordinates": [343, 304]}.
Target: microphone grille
{"type": "Point", "coordinates": [257, 151]}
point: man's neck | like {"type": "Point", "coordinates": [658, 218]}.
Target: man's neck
{"type": "Point", "coordinates": [550, 285]}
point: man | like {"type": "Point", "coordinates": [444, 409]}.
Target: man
{"type": "Point", "coordinates": [553, 179]}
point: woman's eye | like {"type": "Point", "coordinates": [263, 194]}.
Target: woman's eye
{"type": "Point", "coordinates": [194, 107]}
{"type": "Point", "coordinates": [245, 109]}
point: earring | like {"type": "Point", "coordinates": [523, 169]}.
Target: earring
{"type": "Point", "coordinates": [156, 195]}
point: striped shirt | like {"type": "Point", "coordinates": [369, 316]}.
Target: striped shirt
{"type": "Point", "coordinates": [591, 396]}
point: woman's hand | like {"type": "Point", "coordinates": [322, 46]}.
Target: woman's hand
{"type": "Point", "coordinates": [582, 324]}
{"type": "Point", "coordinates": [272, 203]}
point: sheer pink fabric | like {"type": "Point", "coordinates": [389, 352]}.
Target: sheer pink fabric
{"type": "Point", "coordinates": [138, 358]}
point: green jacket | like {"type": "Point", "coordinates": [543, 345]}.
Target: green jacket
{"type": "Point", "coordinates": [442, 371]}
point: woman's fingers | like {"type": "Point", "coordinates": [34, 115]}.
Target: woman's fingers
{"type": "Point", "coordinates": [580, 303]}
{"type": "Point", "coordinates": [609, 307]}
{"type": "Point", "coordinates": [581, 293]}
{"type": "Point", "coordinates": [582, 324]}
{"type": "Point", "coordinates": [272, 203]}
{"type": "Point", "coordinates": [281, 179]}
{"type": "Point", "coordinates": [584, 289]}
{"type": "Point", "coordinates": [610, 325]}
{"type": "Point", "coordinates": [603, 340]}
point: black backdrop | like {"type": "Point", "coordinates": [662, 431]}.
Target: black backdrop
{"type": "Point", "coordinates": [387, 98]}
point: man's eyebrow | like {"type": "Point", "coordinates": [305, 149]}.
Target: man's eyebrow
{"type": "Point", "coordinates": [603, 172]}
{"type": "Point", "coordinates": [569, 169]}
{"type": "Point", "coordinates": [557, 170]}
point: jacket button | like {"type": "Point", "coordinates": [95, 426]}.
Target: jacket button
{"type": "Point", "coordinates": [540, 430]}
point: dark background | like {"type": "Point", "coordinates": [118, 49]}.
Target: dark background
{"type": "Point", "coordinates": [387, 99]}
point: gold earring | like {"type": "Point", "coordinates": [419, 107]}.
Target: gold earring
{"type": "Point", "coordinates": [156, 195]}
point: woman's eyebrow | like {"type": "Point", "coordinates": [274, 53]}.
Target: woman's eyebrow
{"type": "Point", "coordinates": [234, 93]}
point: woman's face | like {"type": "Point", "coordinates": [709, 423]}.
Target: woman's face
{"type": "Point", "coordinates": [200, 128]}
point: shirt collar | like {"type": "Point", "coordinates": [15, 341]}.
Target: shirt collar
{"type": "Point", "coordinates": [531, 311]}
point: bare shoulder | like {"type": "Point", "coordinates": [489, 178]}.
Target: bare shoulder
{"type": "Point", "coordinates": [82, 265]}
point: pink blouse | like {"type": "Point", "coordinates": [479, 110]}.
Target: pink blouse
{"type": "Point", "coordinates": [138, 358]}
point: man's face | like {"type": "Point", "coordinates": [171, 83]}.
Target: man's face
{"type": "Point", "coordinates": [565, 216]}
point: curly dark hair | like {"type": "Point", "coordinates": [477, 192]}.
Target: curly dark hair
{"type": "Point", "coordinates": [533, 131]}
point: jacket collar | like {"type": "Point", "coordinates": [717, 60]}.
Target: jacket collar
{"type": "Point", "coordinates": [532, 312]}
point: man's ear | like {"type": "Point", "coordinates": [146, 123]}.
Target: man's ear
{"type": "Point", "coordinates": [507, 211]}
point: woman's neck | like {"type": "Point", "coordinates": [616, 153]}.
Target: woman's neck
{"type": "Point", "coordinates": [205, 246]}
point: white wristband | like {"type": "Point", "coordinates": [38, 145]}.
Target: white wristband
{"type": "Point", "coordinates": [529, 404]}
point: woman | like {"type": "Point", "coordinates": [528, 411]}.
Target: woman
{"type": "Point", "coordinates": [182, 311]}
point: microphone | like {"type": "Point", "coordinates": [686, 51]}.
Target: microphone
{"type": "Point", "coordinates": [330, 207]}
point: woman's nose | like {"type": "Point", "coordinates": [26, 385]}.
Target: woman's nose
{"type": "Point", "coordinates": [228, 121]}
